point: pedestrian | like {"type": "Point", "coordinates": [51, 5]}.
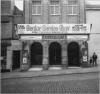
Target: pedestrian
{"type": "Point", "coordinates": [91, 61]}
{"type": "Point", "coordinates": [94, 59]}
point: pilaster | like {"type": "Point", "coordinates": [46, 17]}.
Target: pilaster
{"type": "Point", "coordinates": [45, 55]}
{"type": "Point", "coordinates": [27, 11]}
{"type": "Point", "coordinates": [25, 56]}
{"type": "Point", "coordinates": [64, 55]}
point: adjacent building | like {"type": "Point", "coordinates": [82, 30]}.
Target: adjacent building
{"type": "Point", "coordinates": [10, 44]}
{"type": "Point", "coordinates": [6, 29]}
{"type": "Point", "coordinates": [92, 17]}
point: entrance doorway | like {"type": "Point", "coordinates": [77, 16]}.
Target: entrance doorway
{"type": "Point", "coordinates": [73, 54]}
{"type": "Point", "coordinates": [36, 54]}
{"type": "Point", "coordinates": [55, 54]}
{"type": "Point", "coordinates": [16, 60]}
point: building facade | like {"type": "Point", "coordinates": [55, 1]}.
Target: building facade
{"type": "Point", "coordinates": [53, 49]}
{"type": "Point", "coordinates": [10, 45]}
{"type": "Point", "coordinates": [40, 48]}
{"type": "Point", "coordinates": [6, 29]}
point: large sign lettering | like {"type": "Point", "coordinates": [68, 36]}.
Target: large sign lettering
{"type": "Point", "coordinates": [53, 28]}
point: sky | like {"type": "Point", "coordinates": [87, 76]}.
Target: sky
{"type": "Point", "coordinates": [19, 4]}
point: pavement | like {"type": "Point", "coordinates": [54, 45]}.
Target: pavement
{"type": "Point", "coordinates": [52, 71]}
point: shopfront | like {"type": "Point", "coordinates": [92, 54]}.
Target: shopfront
{"type": "Point", "coordinates": [47, 45]}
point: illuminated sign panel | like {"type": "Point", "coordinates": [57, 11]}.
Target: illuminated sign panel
{"type": "Point", "coordinates": [26, 37]}
{"type": "Point", "coordinates": [77, 37]}
{"type": "Point", "coordinates": [53, 28]}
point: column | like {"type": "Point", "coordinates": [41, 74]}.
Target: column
{"type": "Point", "coordinates": [84, 49]}
{"type": "Point", "coordinates": [45, 55]}
{"type": "Point", "coordinates": [27, 11]}
{"type": "Point", "coordinates": [9, 60]}
{"type": "Point", "coordinates": [82, 14]}
{"type": "Point", "coordinates": [24, 57]}
{"type": "Point", "coordinates": [64, 55]}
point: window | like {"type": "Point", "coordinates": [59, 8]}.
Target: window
{"type": "Point", "coordinates": [36, 7]}
{"type": "Point", "coordinates": [72, 7]}
{"type": "Point", "coordinates": [54, 7]}
{"type": "Point", "coordinates": [72, 2]}
{"type": "Point", "coordinates": [73, 11]}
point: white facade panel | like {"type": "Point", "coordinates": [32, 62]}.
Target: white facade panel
{"type": "Point", "coordinates": [93, 17]}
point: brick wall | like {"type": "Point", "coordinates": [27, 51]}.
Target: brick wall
{"type": "Point", "coordinates": [6, 19]}
{"type": "Point", "coordinates": [5, 7]}
{"type": "Point", "coordinates": [6, 30]}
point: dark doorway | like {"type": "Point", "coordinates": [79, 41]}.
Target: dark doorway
{"type": "Point", "coordinates": [16, 60]}
{"type": "Point", "coordinates": [73, 54]}
{"type": "Point", "coordinates": [36, 54]}
{"type": "Point", "coordinates": [55, 54]}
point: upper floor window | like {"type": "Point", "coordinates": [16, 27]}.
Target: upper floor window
{"type": "Point", "coordinates": [72, 7]}
{"type": "Point", "coordinates": [36, 7]}
{"type": "Point", "coordinates": [54, 7]}
{"type": "Point", "coordinates": [72, 2]}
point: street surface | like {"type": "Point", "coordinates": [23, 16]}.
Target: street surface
{"type": "Point", "coordinates": [69, 84]}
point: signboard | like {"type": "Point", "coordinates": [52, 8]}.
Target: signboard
{"type": "Point", "coordinates": [53, 28]}
{"type": "Point", "coordinates": [25, 56]}
{"type": "Point", "coordinates": [54, 37]}
{"type": "Point", "coordinates": [31, 37]}
{"type": "Point", "coordinates": [85, 59]}
{"type": "Point", "coordinates": [77, 37]}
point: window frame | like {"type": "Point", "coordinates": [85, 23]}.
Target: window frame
{"type": "Point", "coordinates": [54, 10]}
{"type": "Point", "coordinates": [72, 10]}
{"type": "Point", "coordinates": [37, 5]}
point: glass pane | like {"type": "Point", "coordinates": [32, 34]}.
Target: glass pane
{"type": "Point", "coordinates": [73, 19]}
{"type": "Point", "coordinates": [52, 9]}
{"type": "Point", "coordinates": [72, 2]}
{"type": "Point", "coordinates": [54, 2]}
{"type": "Point", "coordinates": [69, 9]}
{"type": "Point", "coordinates": [38, 9]}
{"type": "Point", "coordinates": [57, 10]}
{"type": "Point", "coordinates": [75, 10]}
{"type": "Point", "coordinates": [33, 9]}
{"type": "Point", "coordinates": [36, 2]}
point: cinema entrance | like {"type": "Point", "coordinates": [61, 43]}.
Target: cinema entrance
{"type": "Point", "coordinates": [36, 54]}
{"type": "Point", "coordinates": [73, 54]}
{"type": "Point", "coordinates": [16, 60]}
{"type": "Point", "coordinates": [55, 54]}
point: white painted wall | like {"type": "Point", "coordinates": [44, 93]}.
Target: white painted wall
{"type": "Point", "coordinates": [93, 17]}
